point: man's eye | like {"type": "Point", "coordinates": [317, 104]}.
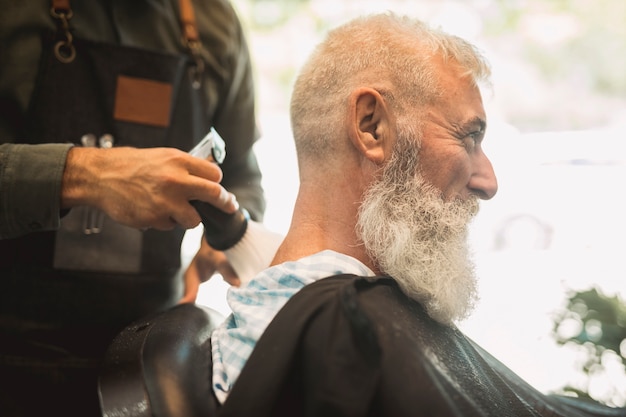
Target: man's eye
{"type": "Point", "coordinates": [470, 140]}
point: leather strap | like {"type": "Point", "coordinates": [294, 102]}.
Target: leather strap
{"type": "Point", "coordinates": [60, 4]}
{"type": "Point", "coordinates": [188, 21]}
{"type": "Point", "coordinates": [187, 18]}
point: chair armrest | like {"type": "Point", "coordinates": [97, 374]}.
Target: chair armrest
{"type": "Point", "coordinates": [161, 366]}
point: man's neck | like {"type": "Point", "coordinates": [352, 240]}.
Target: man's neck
{"type": "Point", "coordinates": [313, 229]}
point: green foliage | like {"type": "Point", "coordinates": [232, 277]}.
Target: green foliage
{"type": "Point", "coordinates": [590, 47]}
{"type": "Point", "coordinates": [596, 323]}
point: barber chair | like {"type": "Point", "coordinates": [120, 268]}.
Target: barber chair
{"type": "Point", "coordinates": [160, 366]}
{"type": "Point", "coordinates": [393, 360]}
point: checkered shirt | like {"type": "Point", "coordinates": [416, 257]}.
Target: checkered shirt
{"type": "Point", "coordinates": [255, 305]}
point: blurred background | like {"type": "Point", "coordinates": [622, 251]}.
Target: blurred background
{"type": "Point", "coordinates": [549, 247]}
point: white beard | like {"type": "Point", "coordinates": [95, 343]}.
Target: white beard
{"type": "Point", "coordinates": [419, 239]}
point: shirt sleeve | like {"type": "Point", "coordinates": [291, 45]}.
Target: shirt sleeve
{"type": "Point", "coordinates": [30, 187]}
{"type": "Point", "coordinates": [235, 118]}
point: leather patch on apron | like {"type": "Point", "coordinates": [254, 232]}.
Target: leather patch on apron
{"type": "Point", "coordinates": [144, 101]}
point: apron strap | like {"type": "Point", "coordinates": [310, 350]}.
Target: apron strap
{"type": "Point", "coordinates": [192, 41]}
{"type": "Point", "coordinates": [187, 18]}
{"type": "Point", "coordinates": [65, 52]}
{"type": "Point", "coordinates": [187, 21]}
{"type": "Point", "coordinates": [60, 5]}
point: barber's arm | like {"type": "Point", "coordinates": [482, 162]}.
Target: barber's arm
{"type": "Point", "coordinates": [141, 188]}
{"type": "Point", "coordinates": [235, 117]}
{"type": "Point", "coordinates": [236, 123]}
{"type": "Point", "coordinates": [30, 186]}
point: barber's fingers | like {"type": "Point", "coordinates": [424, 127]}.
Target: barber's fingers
{"type": "Point", "coordinates": [204, 169]}
{"type": "Point", "coordinates": [200, 269]}
{"type": "Point", "coordinates": [212, 193]}
{"type": "Point", "coordinates": [229, 274]}
{"type": "Point", "coordinates": [206, 262]}
{"type": "Point", "coordinates": [192, 283]}
{"type": "Point", "coordinates": [186, 216]}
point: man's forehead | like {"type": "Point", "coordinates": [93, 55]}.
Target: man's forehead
{"type": "Point", "coordinates": [460, 103]}
{"type": "Point", "coordinates": [464, 115]}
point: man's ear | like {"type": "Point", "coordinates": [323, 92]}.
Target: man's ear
{"type": "Point", "coordinates": [369, 124]}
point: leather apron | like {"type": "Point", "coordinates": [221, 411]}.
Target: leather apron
{"type": "Point", "coordinates": [93, 273]}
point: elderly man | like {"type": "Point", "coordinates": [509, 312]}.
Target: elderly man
{"type": "Point", "coordinates": [388, 123]}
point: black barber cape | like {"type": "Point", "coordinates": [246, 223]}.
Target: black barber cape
{"type": "Point", "coordinates": [353, 346]}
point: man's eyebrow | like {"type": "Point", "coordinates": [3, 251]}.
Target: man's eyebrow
{"type": "Point", "coordinates": [473, 123]}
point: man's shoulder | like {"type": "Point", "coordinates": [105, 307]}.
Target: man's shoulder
{"type": "Point", "coordinates": [366, 292]}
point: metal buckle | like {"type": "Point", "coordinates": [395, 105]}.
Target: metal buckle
{"type": "Point", "coordinates": [64, 50]}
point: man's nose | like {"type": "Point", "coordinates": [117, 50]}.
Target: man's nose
{"type": "Point", "coordinates": [483, 182]}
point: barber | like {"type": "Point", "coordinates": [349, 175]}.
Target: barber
{"type": "Point", "coordinates": [100, 101]}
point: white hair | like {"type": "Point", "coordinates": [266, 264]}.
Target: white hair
{"type": "Point", "coordinates": [379, 48]}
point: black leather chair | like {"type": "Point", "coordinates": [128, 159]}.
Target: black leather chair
{"type": "Point", "coordinates": [357, 331]}
{"type": "Point", "coordinates": [161, 366]}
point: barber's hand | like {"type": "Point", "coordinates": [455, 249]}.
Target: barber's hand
{"type": "Point", "coordinates": [143, 188]}
{"type": "Point", "coordinates": [203, 266]}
